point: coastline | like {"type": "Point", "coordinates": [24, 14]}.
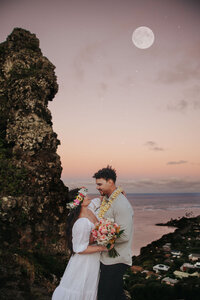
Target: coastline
{"type": "Point", "coordinates": [146, 230]}
{"type": "Point", "coordinates": [167, 268]}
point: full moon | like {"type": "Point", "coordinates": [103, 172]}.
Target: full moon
{"type": "Point", "coordinates": [143, 37]}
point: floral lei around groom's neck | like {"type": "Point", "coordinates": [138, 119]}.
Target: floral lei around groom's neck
{"type": "Point", "coordinates": [82, 193]}
{"type": "Point", "coordinates": [105, 205]}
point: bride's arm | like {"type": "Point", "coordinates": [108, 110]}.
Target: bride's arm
{"type": "Point", "coordinates": [93, 249]}
{"type": "Point", "coordinates": [91, 239]}
{"type": "Point", "coordinates": [81, 238]}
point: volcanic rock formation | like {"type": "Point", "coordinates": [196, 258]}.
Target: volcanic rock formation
{"type": "Point", "coordinates": [32, 196]}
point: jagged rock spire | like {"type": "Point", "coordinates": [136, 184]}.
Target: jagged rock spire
{"type": "Point", "coordinates": [33, 197]}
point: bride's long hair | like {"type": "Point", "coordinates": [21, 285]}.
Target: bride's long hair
{"type": "Point", "coordinates": [71, 219]}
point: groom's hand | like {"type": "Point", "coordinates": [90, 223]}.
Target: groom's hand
{"type": "Point", "coordinates": [112, 246]}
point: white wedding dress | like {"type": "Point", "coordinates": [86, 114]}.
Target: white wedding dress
{"type": "Point", "coordinates": [81, 277]}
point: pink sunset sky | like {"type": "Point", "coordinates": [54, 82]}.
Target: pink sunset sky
{"type": "Point", "coordinates": [137, 110]}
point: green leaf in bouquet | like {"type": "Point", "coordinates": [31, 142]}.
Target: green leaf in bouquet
{"type": "Point", "coordinates": [121, 231]}
{"type": "Point", "coordinates": [108, 246]}
{"type": "Point", "coordinates": [113, 253]}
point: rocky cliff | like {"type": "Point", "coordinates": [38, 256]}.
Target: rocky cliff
{"type": "Point", "coordinates": [32, 196]}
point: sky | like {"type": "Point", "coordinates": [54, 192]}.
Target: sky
{"type": "Point", "coordinates": [135, 109]}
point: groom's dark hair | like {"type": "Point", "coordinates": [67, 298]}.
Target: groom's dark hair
{"type": "Point", "coordinates": [106, 173]}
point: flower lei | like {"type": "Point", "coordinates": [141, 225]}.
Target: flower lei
{"type": "Point", "coordinates": [105, 205]}
{"type": "Point", "coordinates": [82, 193]}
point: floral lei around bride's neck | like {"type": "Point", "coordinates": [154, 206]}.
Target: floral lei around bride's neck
{"type": "Point", "coordinates": [105, 205]}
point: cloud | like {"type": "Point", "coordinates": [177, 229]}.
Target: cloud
{"type": "Point", "coordinates": [150, 143]}
{"type": "Point", "coordinates": [192, 95]}
{"type": "Point", "coordinates": [85, 57]}
{"type": "Point", "coordinates": [180, 73]}
{"type": "Point", "coordinates": [180, 106]}
{"type": "Point", "coordinates": [195, 164]}
{"type": "Point", "coordinates": [103, 88]}
{"type": "Point", "coordinates": [158, 149]}
{"type": "Point", "coordinates": [153, 146]}
{"type": "Point", "coordinates": [191, 101]}
{"type": "Point", "coordinates": [78, 70]}
{"type": "Point", "coordinates": [182, 184]}
{"type": "Point", "coordinates": [143, 185]}
{"type": "Point", "coordinates": [88, 52]}
{"type": "Point", "coordinates": [187, 69]}
{"type": "Point", "coordinates": [180, 162]}
{"type": "Point", "coordinates": [161, 185]}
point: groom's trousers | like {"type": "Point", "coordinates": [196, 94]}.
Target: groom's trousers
{"type": "Point", "coordinates": [111, 282]}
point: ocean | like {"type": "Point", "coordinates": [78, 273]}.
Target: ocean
{"type": "Point", "coordinates": [150, 209]}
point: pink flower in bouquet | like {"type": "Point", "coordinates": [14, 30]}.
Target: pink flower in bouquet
{"type": "Point", "coordinates": [105, 233]}
{"type": "Point", "coordinates": [112, 230]}
{"type": "Point", "coordinates": [94, 233]}
{"type": "Point", "coordinates": [108, 223]}
{"type": "Point", "coordinates": [104, 230]}
{"type": "Point", "coordinates": [100, 228]}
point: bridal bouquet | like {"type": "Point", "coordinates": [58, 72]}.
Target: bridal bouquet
{"type": "Point", "coordinates": [105, 233]}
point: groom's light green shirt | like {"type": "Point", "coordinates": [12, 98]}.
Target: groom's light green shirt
{"type": "Point", "coordinates": [122, 213]}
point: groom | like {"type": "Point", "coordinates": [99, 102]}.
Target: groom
{"type": "Point", "coordinates": [119, 208]}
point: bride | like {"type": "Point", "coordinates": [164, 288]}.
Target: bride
{"type": "Point", "coordinates": [81, 276]}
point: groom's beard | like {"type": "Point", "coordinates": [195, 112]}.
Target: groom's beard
{"type": "Point", "coordinates": [103, 193]}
